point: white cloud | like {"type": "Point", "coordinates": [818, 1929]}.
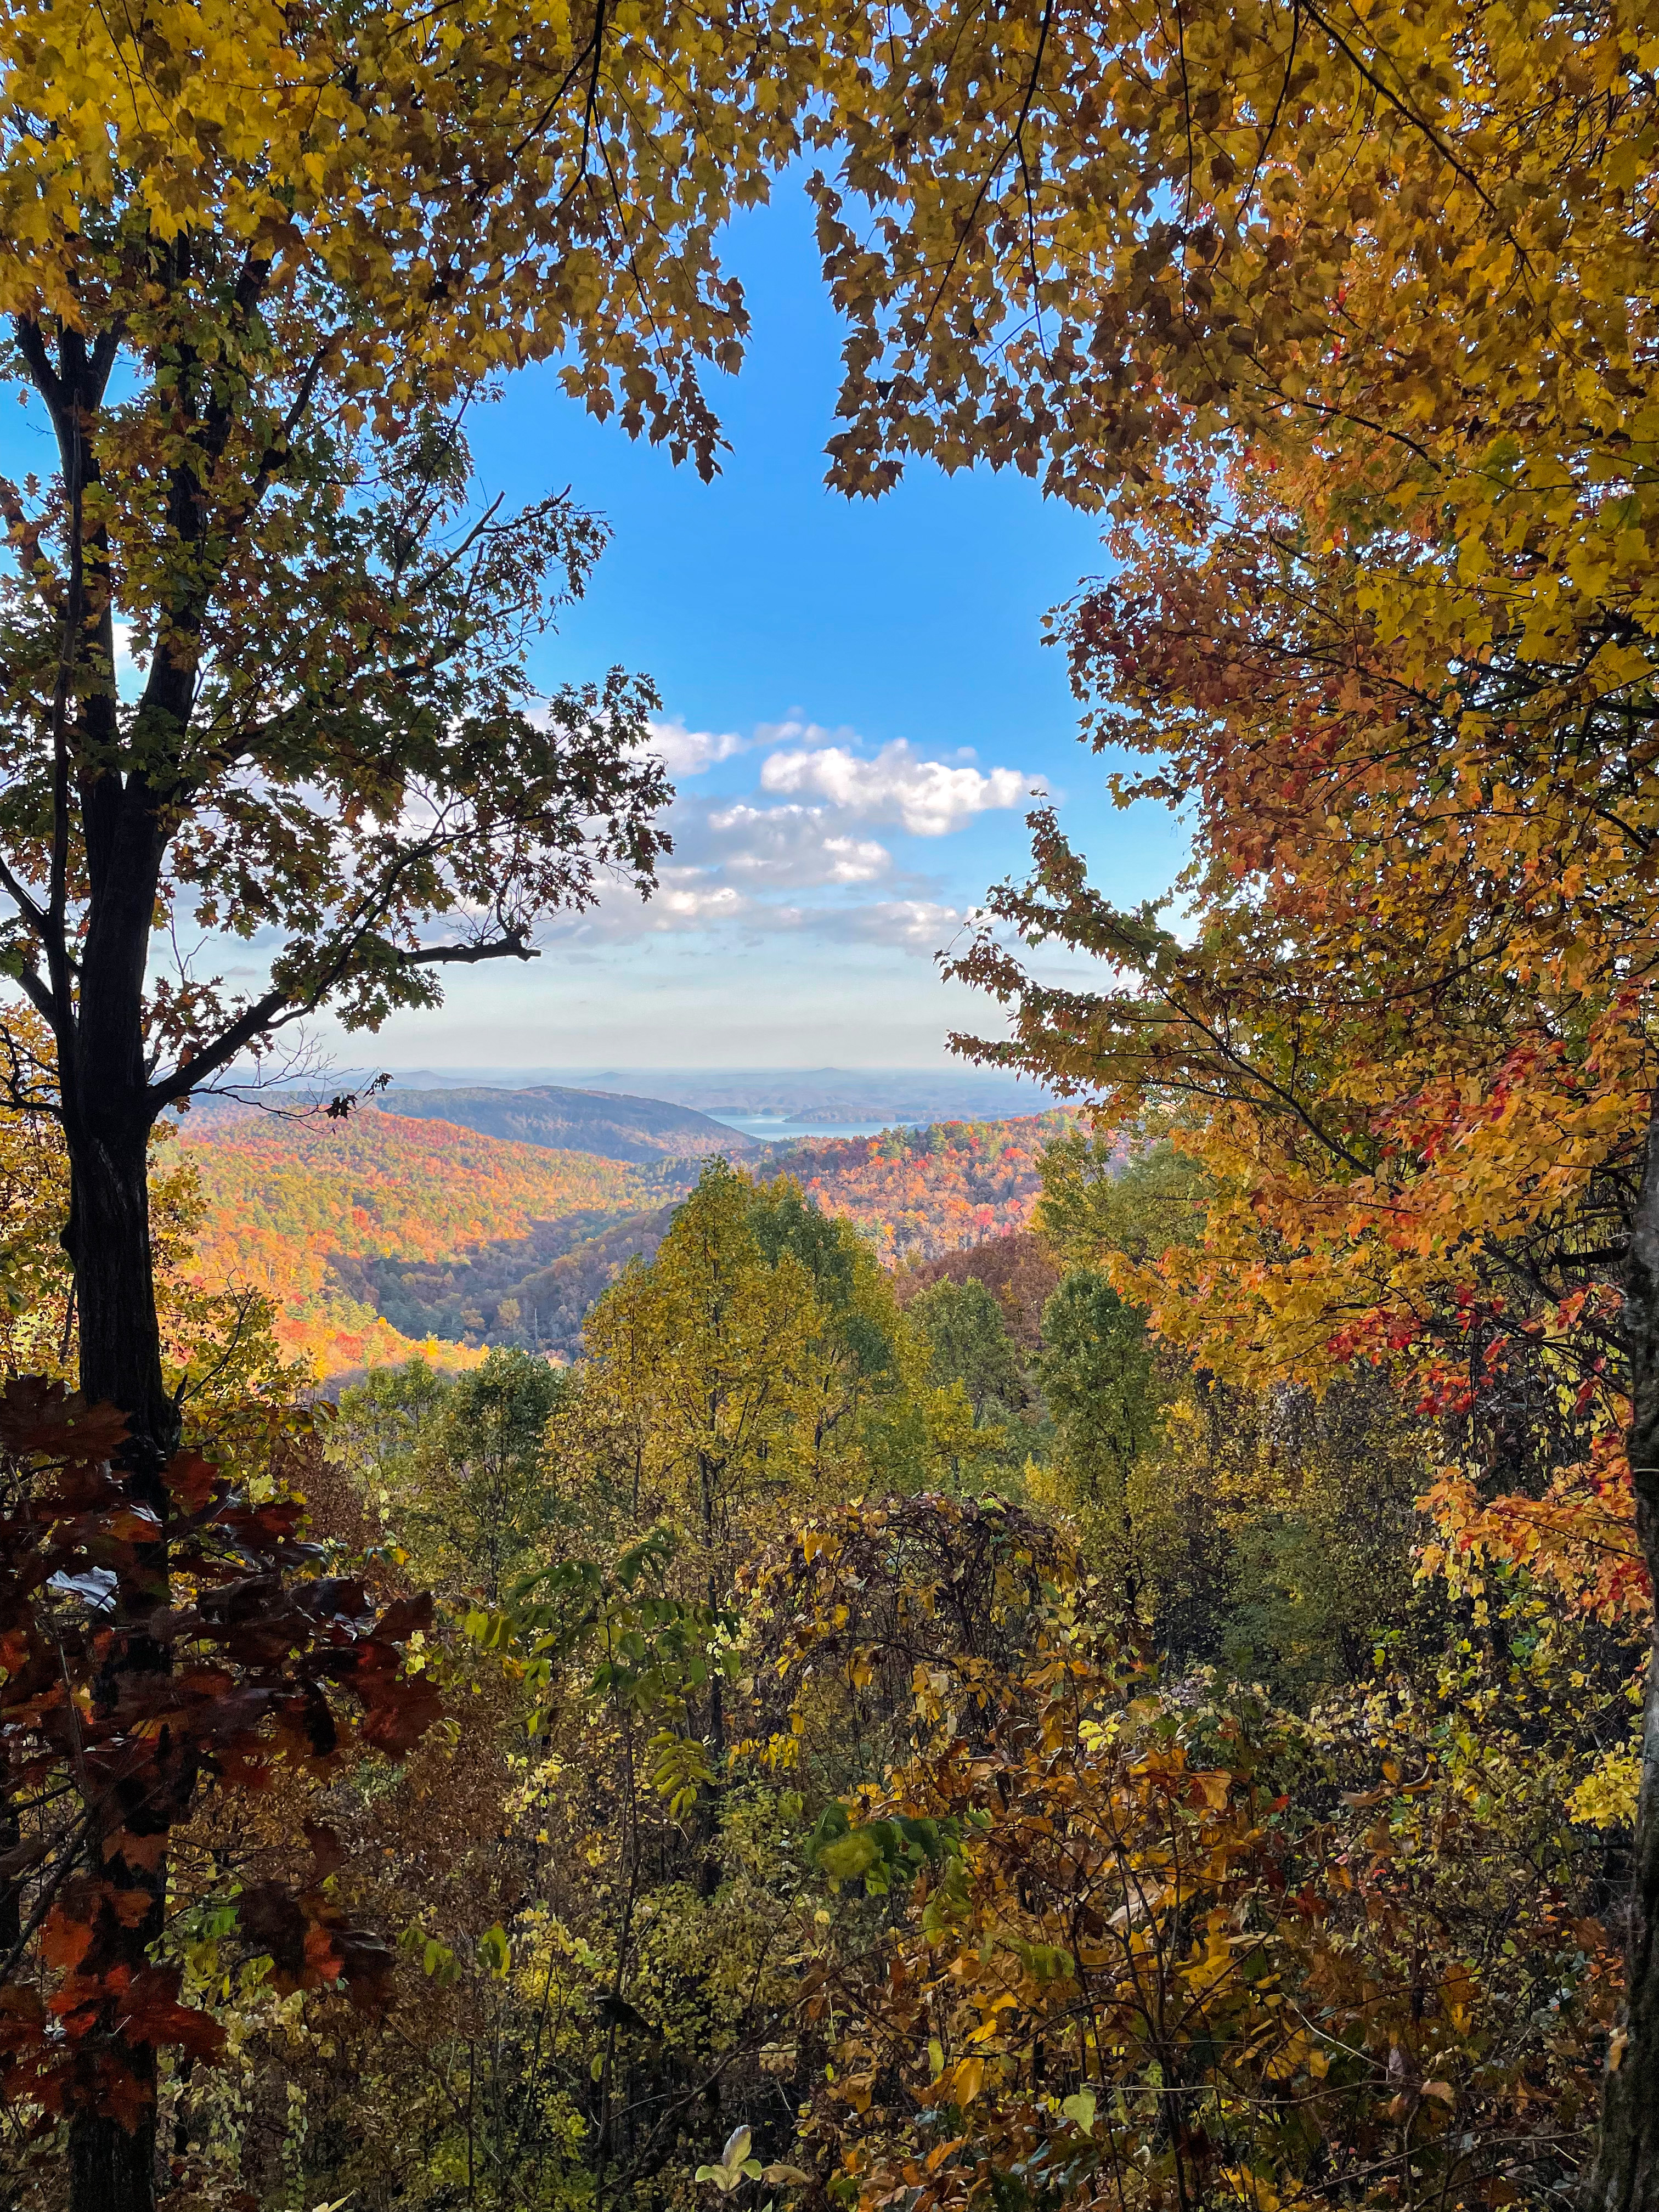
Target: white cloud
{"type": "Point", "coordinates": [917, 925]}
{"type": "Point", "coordinates": [686, 899]}
{"type": "Point", "coordinates": [928, 797]}
{"type": "Point", "coordinates": [690, 752]}
{"type": "Point", "coordinates": [791, 846]}
{"type": "Point", "coordinates": [691, 905]}
{"type": "Point", "coordinates": [793, 853]}
{"type": "Point", "coordinates": [691, 901]}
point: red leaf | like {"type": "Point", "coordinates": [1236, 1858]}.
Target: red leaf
{"type": "Point", "coordinates": [324, 1961]}
{"type": "Point", "coordinates": [153, 2014]}
{"type": "Point", "coordinates": [121, 2095]}
{"type": "Point", "coordinates": [192, 1480]}
{"type": "Point", "coordinates": [404, 1618]}
{"type": "Point", "coordinates": [65, 1941]}
{"type": "Point", "coordinates": [401, 1715]}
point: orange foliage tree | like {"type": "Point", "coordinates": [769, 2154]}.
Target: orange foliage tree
{"type": "Point", "coordinates": [1348, 317]}
{"type": "Point", "coordinates": [923, 1192]}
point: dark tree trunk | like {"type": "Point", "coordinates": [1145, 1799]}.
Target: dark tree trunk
{"type": "Point", "coordinates": [112, 2168]}
{"type": "Point", "coordinates": [108, 1242]}
{"type": "Point", "coordinates": [1626, 2174]}
{"type": "Point", "coordinates": [97, 1011]}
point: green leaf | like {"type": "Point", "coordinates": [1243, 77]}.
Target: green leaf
{"type": "Point", "coordinates": [1080, 2110]}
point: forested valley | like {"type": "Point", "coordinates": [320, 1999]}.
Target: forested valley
{"type": "Point", "coordinates": [1104, 1663]}
{"type": "Point", "coordinates": [380, 1235]}
{"type": "Point", "coordinates": [854, 1731]}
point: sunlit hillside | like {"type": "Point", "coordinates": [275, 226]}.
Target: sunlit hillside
{"type": "Point", "coordinates": [385, 1235]}
{"type": "Point", "coordinates": [302, 1210]}
{"type": "Point", "coordinates": [920, 1192]}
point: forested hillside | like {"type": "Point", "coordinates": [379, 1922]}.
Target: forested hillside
{"type": "Point", "coordinates": [611, 1122]}
{"type": "Point", "coordinates": [376, 1234]}
{"type": "Point", "coordinates": [370, 1233]}
{"type": "Point", "coordinates": [917, 1192]}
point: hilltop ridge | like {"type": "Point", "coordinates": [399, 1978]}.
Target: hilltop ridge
{"type": "Point", "coordinates": [393, 1230]}
{"type": "Point", "coordinates": [616, 1125]}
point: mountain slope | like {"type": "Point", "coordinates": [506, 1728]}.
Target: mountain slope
{"type": "Point", "coordinates": [609, 1123]}
{"type": "Point", "coordinates": [308, 1211]}
{"type": "Point", "coordinates": [388, 1233]}
{"type": "Point", "coordinates": [918, 1192]}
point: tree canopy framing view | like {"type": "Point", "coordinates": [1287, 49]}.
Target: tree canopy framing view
{"type": "Point", "coordinates": [1105, 1659]}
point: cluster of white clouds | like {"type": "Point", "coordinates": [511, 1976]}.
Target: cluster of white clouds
{"type": "Point", "coordinates": [928, 797]}
{"type": "Point", "coordinates": [803, 827]}
{"type": "Point", "coordinates": [692, 752]}
{"type": "Point", "coordinates": [789, 846]}
{"type": "Point", "coordinates": [687, 899]}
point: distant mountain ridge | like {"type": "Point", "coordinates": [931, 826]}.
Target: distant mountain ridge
{"type": "Point", "coordinates": [818, 1096]}
{"type": "Point", "coordinates": [611, 1123]}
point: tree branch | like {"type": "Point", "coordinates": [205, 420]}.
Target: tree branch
{"type": "Point", "coordinates": [277, 1009]}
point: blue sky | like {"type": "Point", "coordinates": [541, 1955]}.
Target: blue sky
{"type": "Point", "coordinates": [857, 703]}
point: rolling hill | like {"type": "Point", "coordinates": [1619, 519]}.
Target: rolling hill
{"type": "Point", "coordinates": [311, 1212]}
{"type": "Point", "coordinates": [918, 1193]}
{"type": "Point", "coordinates": [392, 1233]}
{"type": "Point", "coordinates": [609, 1122]}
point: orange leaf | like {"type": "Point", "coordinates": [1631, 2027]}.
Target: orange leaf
{"type": "Point", "coordinates": [65, 1941]}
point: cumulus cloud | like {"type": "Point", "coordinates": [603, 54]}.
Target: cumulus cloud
{"type": "Point", "coordinates": [694, 905]}
{"type": "Point", "coordinates": [928, 797]}
{"type": "Point", "coordinates": [792, 851]}
{"type": "Point", "coordinates": [917, 925]}
{"type": "Point", "coordinates": [686, 899]}
{"type": "Point", "coordinates": [690, 752]}
{"type": "Point", "coordinates": [780, 847]}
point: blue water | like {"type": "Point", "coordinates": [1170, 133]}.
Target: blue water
{"type": "Point", "coordinates": [770, 1127]}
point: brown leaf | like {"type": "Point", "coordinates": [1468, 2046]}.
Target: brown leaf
{"type": "Point", "coordinates": [326, 1849]}
{"type": "Point", "coordinates": [64, 1940]}
{"type": "Point", "coordinates": [396, 1723]}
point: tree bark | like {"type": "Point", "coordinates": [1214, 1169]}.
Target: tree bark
{"type": "Point", "coordinates": [113, 2168]}
{"type": "Point", "coordinates": [108, 1242]}
{"type": "Point", "coordinates": [95, 1003]}
{"type": "Point", "coordinates": [109, 2168]}
{"type": "Point", "coordinates": [1626, 2173]}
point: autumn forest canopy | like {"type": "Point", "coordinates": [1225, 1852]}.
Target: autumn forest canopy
{"type": "Point", "coordinates": [1097, 1663]}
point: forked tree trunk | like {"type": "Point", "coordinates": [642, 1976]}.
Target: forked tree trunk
{"type": "Point", "coordinates": [1626, 2173]}
{"type": "Point", "coordinates": [112, 2167]}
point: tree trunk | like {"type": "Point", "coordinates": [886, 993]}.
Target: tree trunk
{"type": "Point", "coordinates": [112, 2168]}
{"type": "Point", "coordinates": [108, 1242]}
{"type": "Point", "coordinates": [1626, 2173]}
